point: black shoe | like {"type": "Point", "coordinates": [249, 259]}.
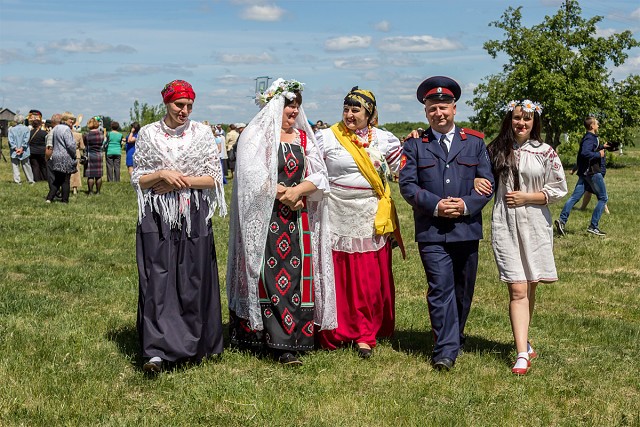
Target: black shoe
{"type": "Point", "coordinates": [596, 231]}
{"type": "Point", "coordinates": [444, 364]}
{"type": "Point", "coordinates": [288, 359]}
{"type": "Point", "coordinates": [365, 353]}
{"type": "Point", "coordinates": [152, 367]}
{"type": "Point", "coordinates": [560, 227]}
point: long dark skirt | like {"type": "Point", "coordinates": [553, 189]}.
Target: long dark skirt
{"type": "Point", "coordinates": [179, 292]}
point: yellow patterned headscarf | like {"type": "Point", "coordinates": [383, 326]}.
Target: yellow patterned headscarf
{"type": "Point", "coordinates": [365, 98]}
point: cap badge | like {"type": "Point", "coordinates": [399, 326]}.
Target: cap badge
{"type": "Point", "coordinates": [439, 90]}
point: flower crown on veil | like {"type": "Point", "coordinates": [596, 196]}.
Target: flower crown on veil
{"type": "Point", "coordinates": [277, 88]}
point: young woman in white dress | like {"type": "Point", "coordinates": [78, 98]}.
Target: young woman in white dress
{"type": "Point", "coordinates": [528, 176]}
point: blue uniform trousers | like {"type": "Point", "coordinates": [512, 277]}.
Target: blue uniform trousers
{"type": "Point", "coordinates": [451, 273]}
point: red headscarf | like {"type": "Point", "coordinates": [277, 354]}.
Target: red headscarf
{"type": "Point", "coordinates": [177, 89]}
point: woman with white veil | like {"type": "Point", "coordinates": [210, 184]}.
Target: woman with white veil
{"type": "Point", "coordinates": [280, 282]}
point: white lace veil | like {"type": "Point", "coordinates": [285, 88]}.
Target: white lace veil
{"type": "Point", "coordinates": [254, 192]}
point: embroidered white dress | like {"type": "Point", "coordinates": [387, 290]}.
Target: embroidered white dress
{"type": "Point", "coordinates": [522, 237]}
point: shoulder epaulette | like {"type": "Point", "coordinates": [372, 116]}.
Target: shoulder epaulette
{"type": "Point", "coordinates": [473, 132]}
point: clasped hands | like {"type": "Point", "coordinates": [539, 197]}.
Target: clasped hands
{"type": "Point", "coordinates": [290, 196]}
{"type": "Point", "coordinates": [170, 181]}
{"type": "Point", "coordinates": [451, 207]}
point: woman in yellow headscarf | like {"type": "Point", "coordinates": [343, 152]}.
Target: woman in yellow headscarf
{"type": "Point", "coordinates": [359, 159]}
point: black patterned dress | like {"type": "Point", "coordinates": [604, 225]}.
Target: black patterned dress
{"type": "Point", "coordinates": [286, 282]}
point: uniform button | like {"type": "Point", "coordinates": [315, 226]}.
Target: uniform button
{"type": "Point", "coordinates": [447, 166]}
{"type": "Point", "coordinates": [448, 181]}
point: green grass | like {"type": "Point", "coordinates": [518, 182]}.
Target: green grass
{"type": "Point", "coordinates": [69, 352]}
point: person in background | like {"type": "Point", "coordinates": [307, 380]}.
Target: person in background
{"type": "Point", "coordinates": [589, 160]}
{"type": "Point", "coordinates": [48, 151]}
{"type": "Point", "coordinates": [279, 271]}
{"type": "Point", "coordinates": [113, 152]}
{"type": "Point", "coordinates": [63, 157]}
{"type": "Point", "coordinates": [436, 179]}
{"type": "Point", "coordinates": [219, 135]}
{"type": "Point", "coordinates": [529, 176]}
{"type": "Point", "coordinates": [588, 191]}
{"type": "Point", "coordinates": [363, 223]}
{"type": "Point", "coordinates": [130, 146]}
{"type": "Point", "coordinates": [230, 142]}
{"type": "Point", "coordinates": [178, 182]}
{"type": "Point", "coordinates": [37, 147]}
{"type": "Point", "coordinates": [76, 178]}
{"type": "Point", "coordinates": [19, 150]}
{"type": "Point", "coordinates": [93, 142]}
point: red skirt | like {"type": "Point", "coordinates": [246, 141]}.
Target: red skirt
{"type": "Point", "coordinates": [365, 298]}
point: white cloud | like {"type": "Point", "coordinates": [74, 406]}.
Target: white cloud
{"type": "Point", "coordinates": [265, 13]}
{"type": "Point", "coordinates": [392, 108]}
{"type": "Point", "coordinates": [347, 42]}
{"type": "Point", "coordinates": [383, 26]}
{"type": "Point", "coordinates": [636, 14]}
{"type": "Point", "coordinates": [11, 55]}
{"type": "Point", "coordinates": [55, 84]}
{"type": "Point", "coordinates": [232, 79]}
{"type": "Point", "coordinates": [356, 63]}
{"type": "Point", "coordinates": [222, 107]}
{"type": "Point", "coordinates": [139, 69]}
{"type": "Point", "coordinates": [8, 56]}
{"type": "Point", "coordinates": [236, 58]}
{"type": "Point", "coordinates": [371, 76]}
{"type": "Point", "coordinates": [605, 32]}
{"type": "Point", "coordinates": [87, 46]}
{"type": "Point", "coordinates": [418, 44]}
{"type": "Point", "coordinates": [630, 66]}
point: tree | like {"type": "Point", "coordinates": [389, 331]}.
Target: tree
{"type": "Point", "coordinates": [144, 113]}
{"type": "Point", "coordinates": [562, 64]}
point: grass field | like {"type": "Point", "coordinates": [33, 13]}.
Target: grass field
{"type": "Point", "coordinates": [69, 352]}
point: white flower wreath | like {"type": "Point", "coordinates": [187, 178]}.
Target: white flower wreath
{"type": "Point", "coordinates": [527, 106]}
{"type": "Point", "coordinates": [286, 88]}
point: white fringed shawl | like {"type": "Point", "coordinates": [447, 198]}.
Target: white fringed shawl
{"type": "Point", "coordinates": [189, 149]}
{"type": "Point", "coordinates": [254, 192]}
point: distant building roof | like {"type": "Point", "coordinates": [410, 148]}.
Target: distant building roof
{"type": "Point", "coordinates": [6, 114]}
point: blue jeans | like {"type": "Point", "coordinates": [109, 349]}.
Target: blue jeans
{"type": "Point", "coordinates": [596, 181]}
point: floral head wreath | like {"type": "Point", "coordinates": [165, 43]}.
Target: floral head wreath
{"type": "Point", "coordinates": [286, 88]}
{"type": "Point", "coordinates": [527, 106]}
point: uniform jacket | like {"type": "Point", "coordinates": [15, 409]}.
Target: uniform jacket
{"type": "Point", "coordinates": [427, 175]}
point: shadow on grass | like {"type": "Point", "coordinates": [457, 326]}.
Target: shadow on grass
{"type": "Point", "coordinates": [421, 342]}
{"type": "Point", "coordinates": [126, 339]}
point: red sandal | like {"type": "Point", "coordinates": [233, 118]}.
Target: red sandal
{"type": "Point", "coordinates": [521, 371]}
{"type": "Point", "coordinates": [532, 353]}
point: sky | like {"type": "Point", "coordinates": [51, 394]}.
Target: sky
{"type": "Point", "coordinates": [97, 58]}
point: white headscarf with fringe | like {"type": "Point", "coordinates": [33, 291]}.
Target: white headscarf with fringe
{"type": "Point", "coordinates": [189, 149]}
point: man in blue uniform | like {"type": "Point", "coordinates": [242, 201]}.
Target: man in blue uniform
{"type": "Point", "coordinates": [436, 178]}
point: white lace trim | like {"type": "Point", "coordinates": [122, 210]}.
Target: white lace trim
{"type": "Point", "coordinates": [189, 149]}
{"type": "Point", "coordinates": [254, 193]}
{"type": "Point", "coordinates": [353, 213]}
